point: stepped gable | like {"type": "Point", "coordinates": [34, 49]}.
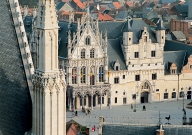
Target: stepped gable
{"type": "Point", "coordinates": [15, 101]}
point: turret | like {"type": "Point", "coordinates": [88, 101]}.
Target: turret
{"type": "Point", "coordinates": [127, 40]}
{"type": "Point", "coordinates": [160, 32]}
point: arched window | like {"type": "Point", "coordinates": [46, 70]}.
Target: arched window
{"type": "Point", "coordinates": [92, 51]}
{"type": "Point", "coordinates": [83, 54]}
{"type": "Point", "coordinates": [88, 40]}
{"type": "Point", "coordinates": [92, 76]}
{"type": "Point", "coordinates": [101, 74]}
{"type": "Point", "coordinates": [83, 73]}
{"type": "Point", "coordinates": [74, 75]}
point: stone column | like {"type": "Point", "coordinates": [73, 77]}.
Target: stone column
{"type": "Point", "coordinates": [83, 101]}
{"type": "Point", "coordinates": [91, 102]}
{"type": "Point", "coordinates": [74, 101]}
{"type": "Point", "coordinates": [100, 101]}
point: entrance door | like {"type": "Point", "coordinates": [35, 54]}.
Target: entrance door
{"type": "Point", "coordinates": [144, 97]}
{"type": "Point", "coordinates": [124, 100]}
{"type": "Point", "coordinates": [94, 98]}
{"type": "Point", "coordinates": [89, 101]}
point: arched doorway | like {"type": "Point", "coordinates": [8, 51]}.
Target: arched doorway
{"type": "Point", "coordinates": [144, 97]}
{"type": "Point", "coordinates": [145, 92]}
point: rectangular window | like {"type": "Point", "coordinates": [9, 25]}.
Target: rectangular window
{"type": "Point", "coordinates": [123, 76]}
{"type": "Point", "coordinates": [115, 99]}
{"type": "Point", "coordinates": [165, 95]}
{"type": "Point", "coordinates": [190, 66]}
{"type": "Point", "coordinates": [137, 77]}
{"type": "Point", "coordinates": [101, 79]}
{"type": "Point", "coordinates": [116, 80]}
{"type": "Point", "coordinates": [157, 90]}
{"type": "Point", "coordinates": [136, 54]}
{"type": "Point", "coordinates": [154, 76]}
{"type": "Point", "coordinates": [173, 94]}
{"type": "Point", "coordinates": [152, 53]}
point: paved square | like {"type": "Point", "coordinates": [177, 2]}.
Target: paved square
{"type": "Point", "coordinates": [124, 114]}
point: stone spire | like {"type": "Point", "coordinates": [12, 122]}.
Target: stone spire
{"type": "Point", "coordinates": [49, 106]}
{"type": "Point", "coordinates": [160, 25]}
{"type": "Point", "coordinates": [47, 17]}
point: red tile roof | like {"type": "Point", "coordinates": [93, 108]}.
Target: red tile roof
{"type": "Point", "coordinates": [105, 17]}
{"type": "Point", "coordinates": [117, 5]}
{"type": "Point", "coordinates": [130, 3]}
{"type": "Point", "coordinates": [72, 130]}
{"type": "Point", "coordinates": [79, 4]}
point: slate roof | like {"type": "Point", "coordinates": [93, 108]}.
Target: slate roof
{"type": "Point", "coordinates": [182, 9]}
{"type": "Point", "coordinates": [60, 5]}
{"type": "Point", "coordinates": [115, 31]}
{"type": "Point", "coordinates": [176, 57]}
{"type": "Point", "coordinates": [128, 129]}
{"type": "Point", "coordinates": [168, 1]}
{"type": "Point", "coordinates": [115, 52]}
{"type": "Point", "coordinates": [122, 15]}
{"type": "Point", "coordinates": [176, 46]}
{"type": "Point", "coordinates": [15, 101]}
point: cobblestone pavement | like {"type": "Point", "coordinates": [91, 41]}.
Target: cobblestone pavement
{"type": "Point", "coordinates": [124, 114]}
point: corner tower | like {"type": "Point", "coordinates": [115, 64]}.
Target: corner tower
{"type": "Point", "coordinates": [49, 108]}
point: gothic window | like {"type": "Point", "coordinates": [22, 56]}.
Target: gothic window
{"type": "Point", "coordinates": [101, 74]}
{"type": "Point", "coordinates": [152, 53]}
{"type": "Point", "coordinates": [88, 40]}
{"type": "Point", "coordinates": [136, 54]}
{"type": "Point", "coordinates": [83, 54]}
{"type": "Point", "coordinates": [74, 75]}
{"type": "Point", "coordinates": [92, 53]}
{"type": "Point", "coordinates": [92, 77]}
{"type": "Point", "coordinates": [173, 94]}
{"type": "Point", "coordinates": [83, 73]}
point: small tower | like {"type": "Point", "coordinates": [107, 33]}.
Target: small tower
{"type": "Point", "coordinates": [49, 106]}
{"type": "Point", "coordinates": [127, 40]}
{"type": "Point", "coordinates": [160, 33]}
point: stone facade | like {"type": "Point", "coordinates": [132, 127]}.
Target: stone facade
{"type": "Point", "coordinates": [93, 78]}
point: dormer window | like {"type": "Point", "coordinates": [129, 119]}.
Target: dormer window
{"type": "Point", "coordinates": [173, 71]}
{"type": "Point", "coordinates": [173, 68]}
{"type": "Point", "coordinates": [88, 40]}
